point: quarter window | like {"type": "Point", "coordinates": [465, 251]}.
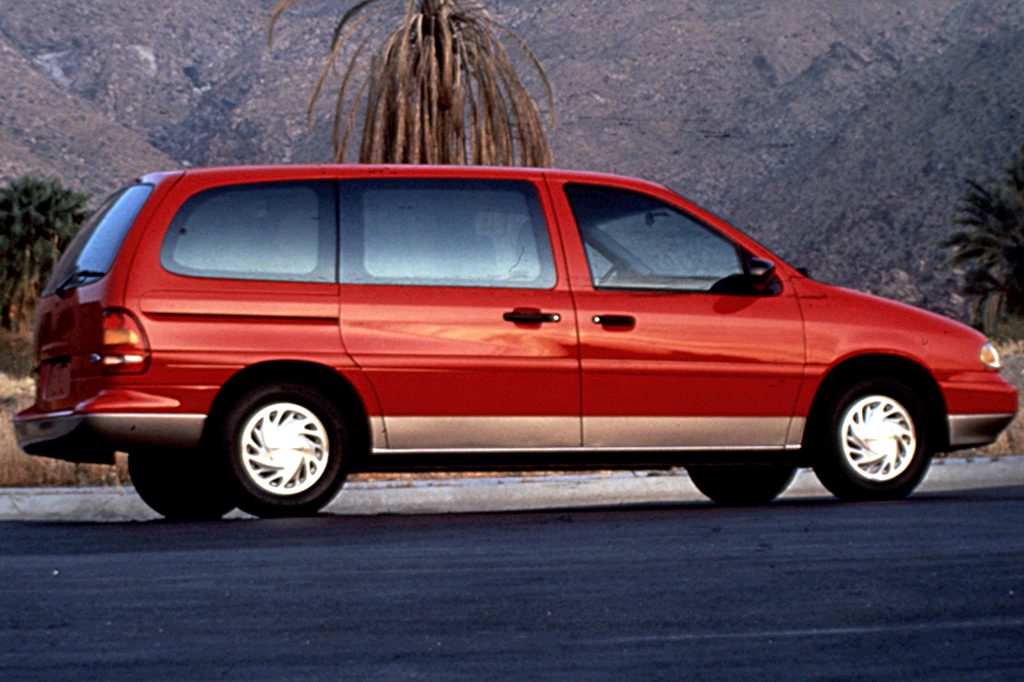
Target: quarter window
{"type": "Point", "coordinates": [95, 247]}
{"type": "Point", "coordinates": [440, 232]}
{"type": "Point", "coordinates": [634, 241]}
{"type": "Point", "coordinates": [271, 231]}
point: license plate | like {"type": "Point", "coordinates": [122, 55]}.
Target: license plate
{"type": "Point", "coordinates": [56, 381]}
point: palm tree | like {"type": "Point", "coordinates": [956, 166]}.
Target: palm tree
{"type": "Point", "coordinates": [438, 89]}
{"type": "Point", "coordinates": [38, 217]}
{"type": "Point", "coordinates": [991, 244]}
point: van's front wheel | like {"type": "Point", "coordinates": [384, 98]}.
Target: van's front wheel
{"type": "Point", "coordinates": [285, 445]}
{"type": "Point", "coordinates": [873, 442]}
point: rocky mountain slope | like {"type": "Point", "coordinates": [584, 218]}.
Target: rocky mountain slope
{"type": "Point", "coordinates": [837, 132]}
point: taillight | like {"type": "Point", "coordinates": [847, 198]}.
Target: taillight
{"type": "Point", "coordinates": [124, 346]}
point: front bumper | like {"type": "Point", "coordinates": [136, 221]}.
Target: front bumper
{"type": "Point", "coordinates": [973, 430]}
{"type": "Point", "coordinates": [94, 438]}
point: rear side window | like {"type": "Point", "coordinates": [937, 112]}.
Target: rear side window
{"type": "Point", "coordinates": [271, 231]}
{"type": "Point", "coordinates": [93, 250]}
{"type": "Point", "coordinates": [441, 232]}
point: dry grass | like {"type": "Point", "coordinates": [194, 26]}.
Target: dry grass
{"type": "Point", "coordinates": [19, 470]}
{"type": "Point", "coordinates": [1010, 348]}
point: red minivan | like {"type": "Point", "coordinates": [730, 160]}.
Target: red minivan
{"type": "Point", "coordinates": [252, 335]}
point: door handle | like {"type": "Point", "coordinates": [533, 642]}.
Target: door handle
{"type": "Point", "coordinates": [531, 316]}
{"type": "Point", "coordinates": [625, 321]}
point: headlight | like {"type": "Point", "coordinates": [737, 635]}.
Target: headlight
{"type": "Point", "coordinates": [989, 356]}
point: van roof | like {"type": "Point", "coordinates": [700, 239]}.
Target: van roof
{"type": "Point", "coordinates": [345, 170]}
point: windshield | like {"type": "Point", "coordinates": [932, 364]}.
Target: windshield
{"type": "Point", "coordinates": [91, 253]}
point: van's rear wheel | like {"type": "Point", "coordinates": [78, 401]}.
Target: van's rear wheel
{"type": "Point", "coordinates": [178, 485]}
{"type": "Point", "coordinates": [742, 485]}
{"type": "Point", "coordinates": [285, 446]}
{"type": "Point", "coordinates": [873, 442]}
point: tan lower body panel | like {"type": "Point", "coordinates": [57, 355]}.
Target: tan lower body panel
{"type": "Point", "coordinates": [408, 435]}
{"type": "Point", "coordinates": [481, 433]}
{"type": "Point", "coordinates": [688, 432]}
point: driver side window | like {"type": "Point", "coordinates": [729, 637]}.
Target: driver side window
{"type": "Point", "coordinates": [634, 241]}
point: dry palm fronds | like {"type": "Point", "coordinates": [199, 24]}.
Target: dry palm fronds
{"type": "Point", "coordinates": [438, 89]}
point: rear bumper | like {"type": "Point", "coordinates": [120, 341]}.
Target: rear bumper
{"type": "Point", "coordinates": [77, 437]}
{"type": "Point", "coordinates": [972, 430]}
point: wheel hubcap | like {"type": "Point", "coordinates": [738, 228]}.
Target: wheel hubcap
{"type": "Point", "coordinates": [284, 449]}
{"type": "Point", "coordinates": [878, 438]}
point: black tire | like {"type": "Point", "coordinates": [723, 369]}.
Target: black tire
{"type": "Point", "coordinates": [180, 485]}
{"type": "Point", "coordinates": [857, 477]}
{"type": "Point", "coordinates": [742, 485]}
{"type": "Point", "coordinates": [318, 437]}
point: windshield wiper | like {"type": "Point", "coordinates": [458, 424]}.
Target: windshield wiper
{"type": "Point", "coordinates": [77, 278]}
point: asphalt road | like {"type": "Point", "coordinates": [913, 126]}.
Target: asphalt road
{"type": "Point", "coordinates": [929, 588]}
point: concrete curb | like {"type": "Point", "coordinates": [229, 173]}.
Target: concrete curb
{"type": "Point", "coordinates": [497, 494]}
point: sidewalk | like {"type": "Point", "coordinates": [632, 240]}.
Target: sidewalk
{"type": "Point", "coordinates": [498, 494]}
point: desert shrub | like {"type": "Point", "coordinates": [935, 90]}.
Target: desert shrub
{"type": "Point", "coordinates": [1009, 330]}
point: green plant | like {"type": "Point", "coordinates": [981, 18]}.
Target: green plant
{"type": "Point", "coordinates": [38, 216]}
{"type": "Point", "coordinates": [991, 245]}
{"type": "Point", "coordinates": [439, 89]}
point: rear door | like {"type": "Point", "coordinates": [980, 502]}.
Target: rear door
{"type": "Point", "coordinates": [456, 309]}
{"type": "Point", "coordinates": [674, 356]}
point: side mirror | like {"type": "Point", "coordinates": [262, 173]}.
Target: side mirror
{"type": "Point", "coordinates": [761, 274]}
{"type": "Point", "coordinates": [760, 270]}
{"type": "Point", "coordinates": [758, 280]}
